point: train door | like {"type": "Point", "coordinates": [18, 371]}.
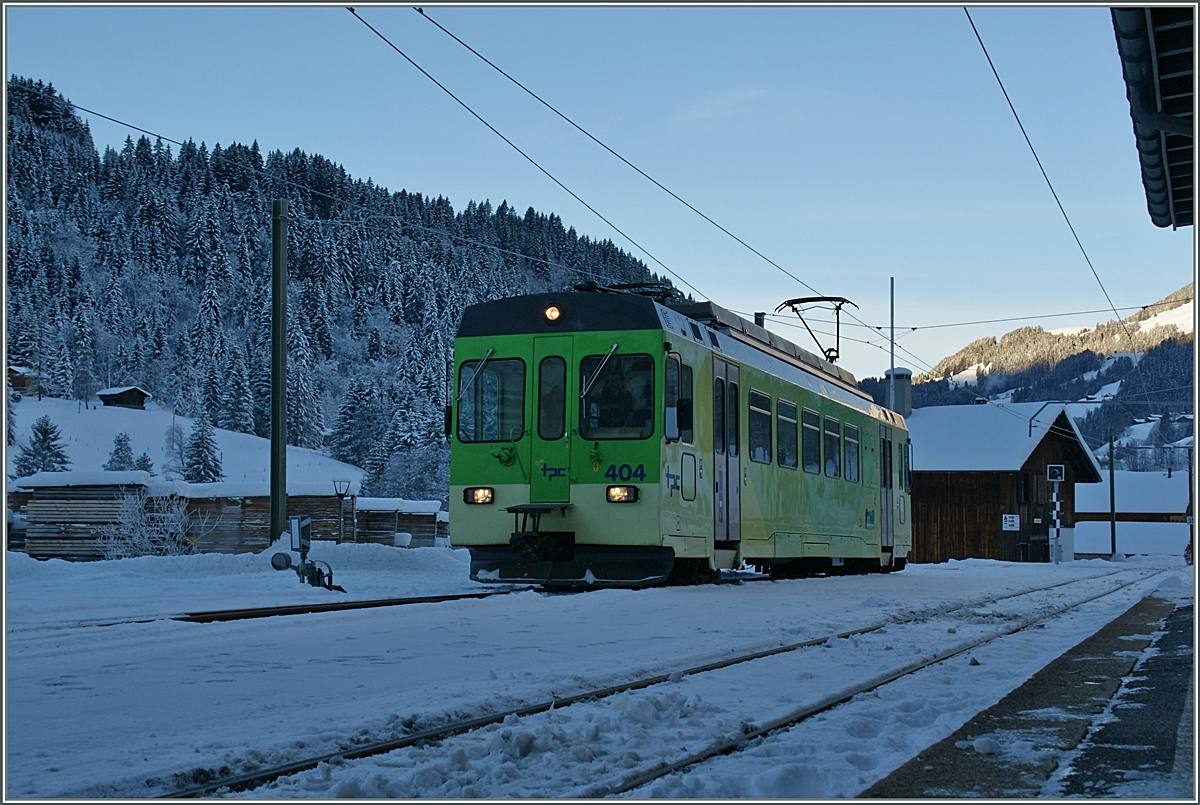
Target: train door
{"type": "Point", "coordinates": [887, 531]}
{"type": "Point", "coordinates": [548, 480]}
{"type": "Point", "coordinates": [727, 475]}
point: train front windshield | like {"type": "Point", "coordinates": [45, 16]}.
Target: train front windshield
{"type": "Point", "coordinates": [619, 403]}
{"type": "Point", "coordinates": [491, 401]}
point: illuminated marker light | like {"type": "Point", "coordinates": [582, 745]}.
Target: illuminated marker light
{"type": "Point", "coordinates": [622, 494]}
{"type": "Point", "coordinates": [478, 494]}
{"type": "Point", "coordinates": [552, 313]}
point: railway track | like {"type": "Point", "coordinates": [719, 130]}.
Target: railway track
{"type": "Point", "coordinates": [249, 613]}
{"type": "Point", "coordinates": [725, 745]}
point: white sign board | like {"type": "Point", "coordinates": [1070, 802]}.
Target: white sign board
{"type": "Point", "coordinates": [1010, 522]}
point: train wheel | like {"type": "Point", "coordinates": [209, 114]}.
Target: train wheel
{"type": "Point", "coordinates": [691, 571]}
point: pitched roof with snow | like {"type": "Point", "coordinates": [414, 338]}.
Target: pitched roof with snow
{"type": "Point", "coordinates": [120, 389]}
{"type": "Point", "coordinates": [397, 505]}
{"type": "Point", "coordinates": [1148, 492]}
{"type": "Point", "coordinates": [996, 437]}
{"type": "Point", "coordinates": [82, 478]}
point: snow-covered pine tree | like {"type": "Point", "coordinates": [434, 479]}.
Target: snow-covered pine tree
{"type": "Point", "coordinates": [304, 422]}
{"type": "Point", "coordinates": [174, 445]}
{"type": "Point", "coordinates": [237, 400]}
{"type": "Point", "coordinates": [10, 435]}
{"type": "Point", "coordinates": [201, 459]}
{"type": "Point", "coordinates": [121, 457]}
{"type": "Point", "coordinates": [45, 451]}
{"type": "Point", "coordinates": [144, 463]}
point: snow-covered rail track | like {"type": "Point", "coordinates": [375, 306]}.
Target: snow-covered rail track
{"type": "Point", "coordinates": [733, 743]}
{"type": "Point", "coordinates": [724, 744]}
{"type": "Point", "coordinates": [249, 613]}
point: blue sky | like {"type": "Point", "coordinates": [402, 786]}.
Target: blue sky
{"type": "Point", "coordinates": [849, 145]}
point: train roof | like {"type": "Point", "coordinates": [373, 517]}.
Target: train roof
{"type": "Point", "coordinates": [593, 310]}
{"type": "Point", "coordinates": [726, 321]}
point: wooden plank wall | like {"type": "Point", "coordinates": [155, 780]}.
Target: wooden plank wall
{"type": "Point", "coordinates": [63, 521]}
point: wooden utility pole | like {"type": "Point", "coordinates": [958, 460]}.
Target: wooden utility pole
{"type": "Point", "coordinates": [278, 368]}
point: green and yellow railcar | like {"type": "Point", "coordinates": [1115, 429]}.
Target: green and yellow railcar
{"type": "Point", "coordinates": [607, 439]}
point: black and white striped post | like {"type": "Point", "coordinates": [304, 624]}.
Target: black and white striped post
{"type": "Point", "coordinates": [1056, 474]}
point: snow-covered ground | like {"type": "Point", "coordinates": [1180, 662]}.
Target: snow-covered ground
{"type": "Point", "coordinates": [88, 433]}
{"type": "Point", "coordinates": [1183, 317]}
{"type": "Point", "coordinates": [120, 710]}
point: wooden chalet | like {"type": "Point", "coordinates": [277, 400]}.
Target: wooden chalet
{"type": "Point", "coordinates": [23, 379]}
{"type": "Point", "coordinates": [124, 397]}
{"type": "Point", "coordinates": [979, 487]}
{"type": "Point", "coordinates": [1153, 515]}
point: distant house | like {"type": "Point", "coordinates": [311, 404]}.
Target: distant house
{"type": "Point", "coordinates": [1153, 513]}
{"type": "Point", "coordinates": [124, 397]}
{"type": "Point", "coordinates": [23, 379]}
{"type": "Point", "coordinates": [979, 487]}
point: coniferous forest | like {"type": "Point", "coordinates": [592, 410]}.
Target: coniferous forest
{"type": "Point", "coordinates": [151, 266]}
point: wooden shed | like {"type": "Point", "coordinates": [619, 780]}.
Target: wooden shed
{"type": "Point", "coordinates": [980, 488]}
{"type": "Point", "coordinates": [124, 397]}
{"type": "Point", "coordinates": [64, 510]}
{"type": "Point", "coordinates": [380, 519]}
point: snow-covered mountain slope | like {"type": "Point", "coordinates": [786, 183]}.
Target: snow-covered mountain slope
{"type": "Point", "coordinates": [88, 434]}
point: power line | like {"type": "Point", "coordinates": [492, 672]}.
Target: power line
{"type": "Point", "coordinates": [1012, 318]}
{"type": "Point", "coordinates": [516, 148]}
{"type": "Point", "coordinates": [344, 202]}
{"type": "Point", "coordinates": [641, 172]}
{"type": "Point", "coordinates": [603, 145]}
{"type": "Point", "coordinates": [1047, 178]}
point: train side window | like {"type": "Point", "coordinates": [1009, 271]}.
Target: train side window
{"type": "Point", "coordinates": [731, 417]}
{"type": "Point", "coordinates": [686, 406]}
{"type": "Point", "coordinates": [908, 467]}
{"type": "Point", "coordinates": [811, 443]}
{"type": "Point", "coordinates": [851, 453]}
{"type": "Point", "coordinates": [833, 448]}
{"type": "Point", "coordinates": [719, 415]}
{"type": "Point", "coordinates": [760, 427]}
{"type": "Point", "coordinates": [491, 405]}
{"type": "Point", "coordinates": [671, 398]}
{"type": "Point", "coordinates": [552, 397]}
{"type": "Point", "coordinates": [785, 429]}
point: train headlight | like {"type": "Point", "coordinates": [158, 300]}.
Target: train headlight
{"type": "Point", "coordinates": [622, 494]}
{"type": "Point", "coordinates": [478, 494]}
{"type": "Point", "coordinates": [552, 313]}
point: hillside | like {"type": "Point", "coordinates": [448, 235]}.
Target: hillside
{"type": "Point", "coordinates": [88, 435]}
{"type": "Point", "coordinates": [991, 363]}
{"type": "Point", "coordinates": [1142, 396]}
{"type": "Point", "coordinates": [151, 266]}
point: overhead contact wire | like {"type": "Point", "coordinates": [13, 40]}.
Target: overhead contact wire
{"type": "Point", "coordinates": [516, 148]}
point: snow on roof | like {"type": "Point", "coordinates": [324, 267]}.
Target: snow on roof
{"type": "Point", "coordinates": [82, 478]}
{"type": "Point", "coordinates": [254, 489]}
{"type": "Point", "coordinates": [157, 487]}
{"type": "Point", "coordinates": [397, 505]}
{"type": "Point", "coordinates": [1136, 492]}
{"type": "Point", "coordinates": [995, 437]}
{"type": "Point", "coordinates": [119, 389]}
